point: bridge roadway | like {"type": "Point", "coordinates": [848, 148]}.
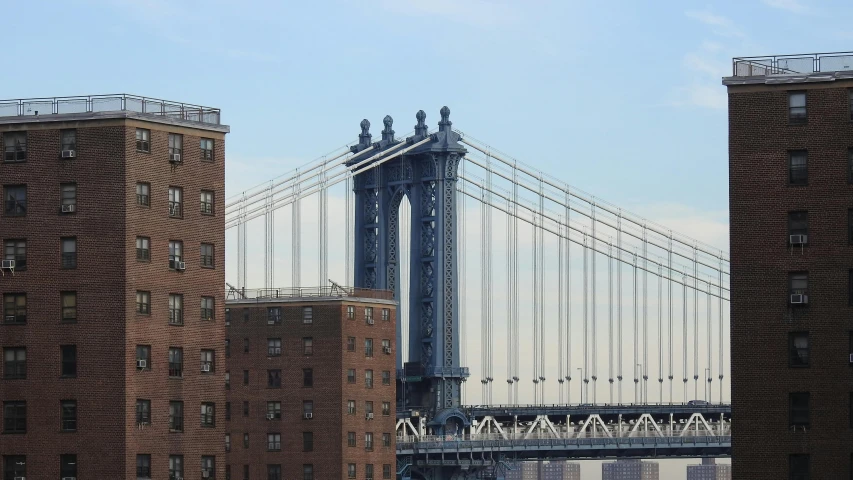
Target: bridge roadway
{"type": "Point", "coordinates": [501, 434]}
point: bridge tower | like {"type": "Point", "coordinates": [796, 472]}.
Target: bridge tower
{"type": "Point", "coordinates": [431, 377]}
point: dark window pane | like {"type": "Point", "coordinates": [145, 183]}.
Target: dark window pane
{"type": "Point", "coordinates": [798, 167]}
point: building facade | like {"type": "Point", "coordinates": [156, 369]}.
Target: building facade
{"type": "Point", "coordinates": [791, 213]}
{"type": "Point", "coordinates": [709, 470]}
{"type": "Point", "coordinates": [629, 469]}
{"type": "Point", "coordinates": [113, 260]}
{"type": "Point", "coordinates": [544, 470]}
{"type": "Point", "coordinates": [311, 386]}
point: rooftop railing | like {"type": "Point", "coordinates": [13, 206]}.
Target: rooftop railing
{"type": "Point", "coordinates": [267, 294]}
{"type": "Point", "coordinates": [792, 64]}
{"type": "Point", "coordinates": [108, 103]}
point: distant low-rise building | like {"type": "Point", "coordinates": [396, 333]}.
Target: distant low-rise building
{"type": "Point", "coordinates": [709, 470]}
{"type": "Point", "coordinates": [543, 470]}
{"type": "Point", "coordinates": [630, 469]}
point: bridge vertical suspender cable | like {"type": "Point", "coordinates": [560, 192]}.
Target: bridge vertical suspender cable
{"type": "Point", "coordinates": [585, 371]}
{"type": "Point", "coordinates": [710, 349]}
{"type": "Point", "coordinates": [269, 242]}
{"type": "Point", "coordinates": [636, 307]}
{"type": "Point", "coordinates": [619, 297]}
{"type": "Point", "coordinates": [535, 313]}
{"type": "Point", "coordinates": [568, 295]}
{"type": "Point", "coordinates": [515, 305]}
{"type": "Point", "coordinates": [645, 373]}
{"type": "Point", "coordinates": [323, 227]}
{"type": "Point", "coordinates": [510, 364]}
{"type": "Point", "coordinates": [671, 305]}
{"type": "Point", "coordinates": [241, 250]}
{"type": "Point", "coordinates": [560, 308]}
{"type": "Point", "coordinates": [594, 307]}
{"type": "Point", "coordinates": [696, 322]}
{"type": "Point", "coordinates": [541, 303]}
{"type": "Point", "coordinates": [463, 280]}
{"type": "Point", "coordinates": [684, 335]}
{"type": "Point", "coordinates": [660, 331]}
{"type": "Point", "coordinates": [348, 211]}
{"type": "Point", "coordinates": [721, 329]}
{"type": "Point", "coordinates": [296, 250]}
{"type": "Point", "coordinates": [488, 271]}
{"type": "Point", "coordinates": [610, 316]}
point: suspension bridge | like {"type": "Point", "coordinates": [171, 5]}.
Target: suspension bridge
{"type": "Point", "coordinates": [609, 331]}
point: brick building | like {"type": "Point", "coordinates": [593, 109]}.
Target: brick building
{"type": "Point", "coordinates": [311, 386]}
{"type": "Point", "coordinates": [791, 213]}
{"type": "Point", "coordinates": [112, 275]}
{"type": "Point", "coordinates": [544, 470]}
{"type": "Point", "coordinates": [629, 469]}
{"type": "Point", "coordinates": [709, 470]}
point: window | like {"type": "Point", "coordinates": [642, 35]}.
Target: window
{"type": "Point", "coordinates": [143, 302]}
{"type": "Point", "coordinates": [797, 107]}
{"type": "Point", "coordinates": [386, 315]}
{"type": "Point", "coordinates": [176, 416]}
{"type": "Point", "coordinates": [176, 255]}
{"type": "Point", "coordinates": [245, 440]}
{"type": "Point", "coordinates": [68, 353]}
{"type": "Point", "coordinates": [69, 252]}
{"type": "Point", "coordinates": [798, 349]}
{"type": "Point", "coordinates": [176, 362]}
{"type": "Point", "coordinates": [16, 200]}
{"type": "Point", "coordinates": [15, 417]}
{"type": "Point", "coordinates": [245, 345]}
{"type": "Point", "coordinates": [208, 361]}
{"type": "Point", "coordinates": [799, 285]}
{"type": "Point", "coordinates": [351, 470]}
{"type": "Point", "coordinates": [307, 377]}
{"type": "Point", "coordinates": [208, 465]}
{"type": "Point", "coordinates": [175, 204]}
{"type": "Point", "coordinates": [68, 465]}
{"type": "Point", "coordinates": [368, 315]}
{"type": "Point", "coordinates": [14, 466]}
{"type": "Point", "coordinates": [273, 442]}
{"type": "Point", "coordinates": [176, 309]}
{"type": "Point", "coordinates": [15, 308]}
{"type": "Point", "coordinates": [350, 344]}
{"type": "Point", "coordinates": [245, 377]}
{"type": "Point", "coordinates": [208, 414]}
{"type": "Point", "coordinates": [386, 346]}
{"type": "Point", "coordinates": [68, 197]}
{"type": "Point", "coordinates": [308, 346]}
{"type": "Point", "coordinates": [227, 380]}
{"type": "Point", "coordinates": [386, 471]}
{"type": "Point", "coordinates": [351, 375]}
{"type": "Point", "coordinates": [350, 312]}
{"type": "Point", "coordinates": [273, 315]}
{"type": "Point", "coordinates": [16, 250]}
{"type": "Point", "coordinates": [273, 472]}
{"type": "Point", "coordinates": [368, 347]}
{"type": "Point", "coordinates": [143, 466]}
{"type": "Point", "coordinates": [351, 407]}
{"type": "Point", "coordinates": [274, 378]}
{"type": "Point", "coordinates": [798, 167]}
{"type": "Point", "coordinates": [274, 410]}
{"type": "Point", "coordinates": [143, 411]}
{"type": "Point", "coordinates": [207, 255]}
{"type": "Point", "coordinates": [368, 378]}
{"type": "Point", "coordinates": [176, 143]}
{"type": "Point", "coordinates": [68, 415]}
{"type": "Point", "coordinates": [368, 471]}
{"type": "Point", "coordinates": [227, 317]}
{"type": "Point", "coordinates": [798, 224]}
{"type": "Point", "coordinates": [798, 467]}
{"type": "Point", "coordinates": [143, 357]}
{"type": "Point", "coordinates": [227, 443]}
{"type": "Point", "coordinates": [368, 407]}
{"type": "Point", "coordinates": [307, 315]}
{"type": "Point", "coordinates": [67, 139]}
{"type": "Point", "coordinates": [207, 308]}
{"type": "Point", "coordinates": [351, 439]}
{"type": "Point", "coordinates": [227, 347]}
{"type": "Point", "coordinates": [307, 408]}
{"type": "Point", "coordinates": [386, 408]}
{"type": "Point", "coordinates": [850, 165]}
{"type": "Point", "coordinates": [176, 466]}
{"type": "Point", "coordinates": [207, 202]}
{"type": "Point", "coordinates": [227, 410]}
{"type": "Point", "coordinates": [143, 249]}
{"type": "Point", "coordinates": [143, 194]}
{"type": "Point", "coordinates": [69, 306]}
{"type": "Point", "coordinates": [307, 441]}
{"type": "Point", "coordinates": [245, 315]}
{"type": "Point", "coordinates": [798, 409]}
{"type": "Point", "coordinates": [245, 472]}
{"type": "Point", "coordinates": [386, 377]}
{"type": "Point", "coordinates": [16, 146]}
{"type": "Point", "coordinates": [207, 149]}
{"type": "Point", "coordinates": [143, 140]}
{"type": "Point", "coordinates": [307, 471]}
{"type": "Point", "coordinates": [14, 363]}
{"type": "Point", "coordinates": [273, 347]}
{"type": "Point", "coordinates": [386, 439]}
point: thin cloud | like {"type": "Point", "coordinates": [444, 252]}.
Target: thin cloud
{"type": "Point", "coordinates": [697, 95]}
{"type": "Point", "coordinates": [793, 6]}
{"type": "Point", "coordinates": [720, 25]}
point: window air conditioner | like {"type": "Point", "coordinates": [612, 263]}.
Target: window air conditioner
{"type": "Point", "coordinates": [270, 416]}
{"type": "Point", "coordinates": [370, 321]}
{"type": "Point", "coordinates": [799, 239]}
{"type": "Point", "coordinates": [799, 299]}
{"type": "Point", "coordinates": [68, 208]}
{"type": "Point", "coordinates": [851, 358]}
{"type": "Point", "coordinates": [369, 416]}
{"type": "Point", "coordinates": [69, 478]}
{"type": "Point", "coordinates": [387, 350]}
{"type": "Point", "coordinates": [141, 364]}
{"type": "Point", "coordinates": [270, 322]}
{"type": "Point", "coordinates": [8, 264]}
{"type": "Point", "coordinates": [205, 367]}
{"type": "Point", "coordinates": [173, 210]}
{"type": "Point", "coordinates": [180, 265]}
{"type": "Point", "coordinates": [175, 158]}
{"type": "Point", "coordinates": [205, 474]}
{"type": "Point", "coordinates": [10, 319]}
{"type": "Point", "coordinates": [69, 154]}
{"type": "Point", "coordinates": [308, 416]}
{"type": "Point", "coordinates": [20, 478]}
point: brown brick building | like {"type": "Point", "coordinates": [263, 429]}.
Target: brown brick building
{"type": "Point", "coordinates": [113, 234]}
{"type": "Point", "coordinates": [791, 213]}
{"type": "Point", "coordinates": [311, 385]}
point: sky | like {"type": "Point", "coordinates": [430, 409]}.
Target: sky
{"type": "Point", "coordinates": [622, 99]}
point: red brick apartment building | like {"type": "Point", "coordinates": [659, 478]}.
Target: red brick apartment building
{"type": "Point", "coordinates": [112, 281]}
{"type": "Point", "coordinates": [310, 385]}
{"type": "Point", "coordinates": [791, 213]}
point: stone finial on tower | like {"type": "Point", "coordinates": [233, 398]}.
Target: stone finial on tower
{"type": "Point", "coordinates": [444, 124]}
{"type": "Point", "coordinates": [421, 128]}
{"type": "Point", "coordinates": [364, 137]}
{"type": "Point", "coordinates": [387, 133]}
